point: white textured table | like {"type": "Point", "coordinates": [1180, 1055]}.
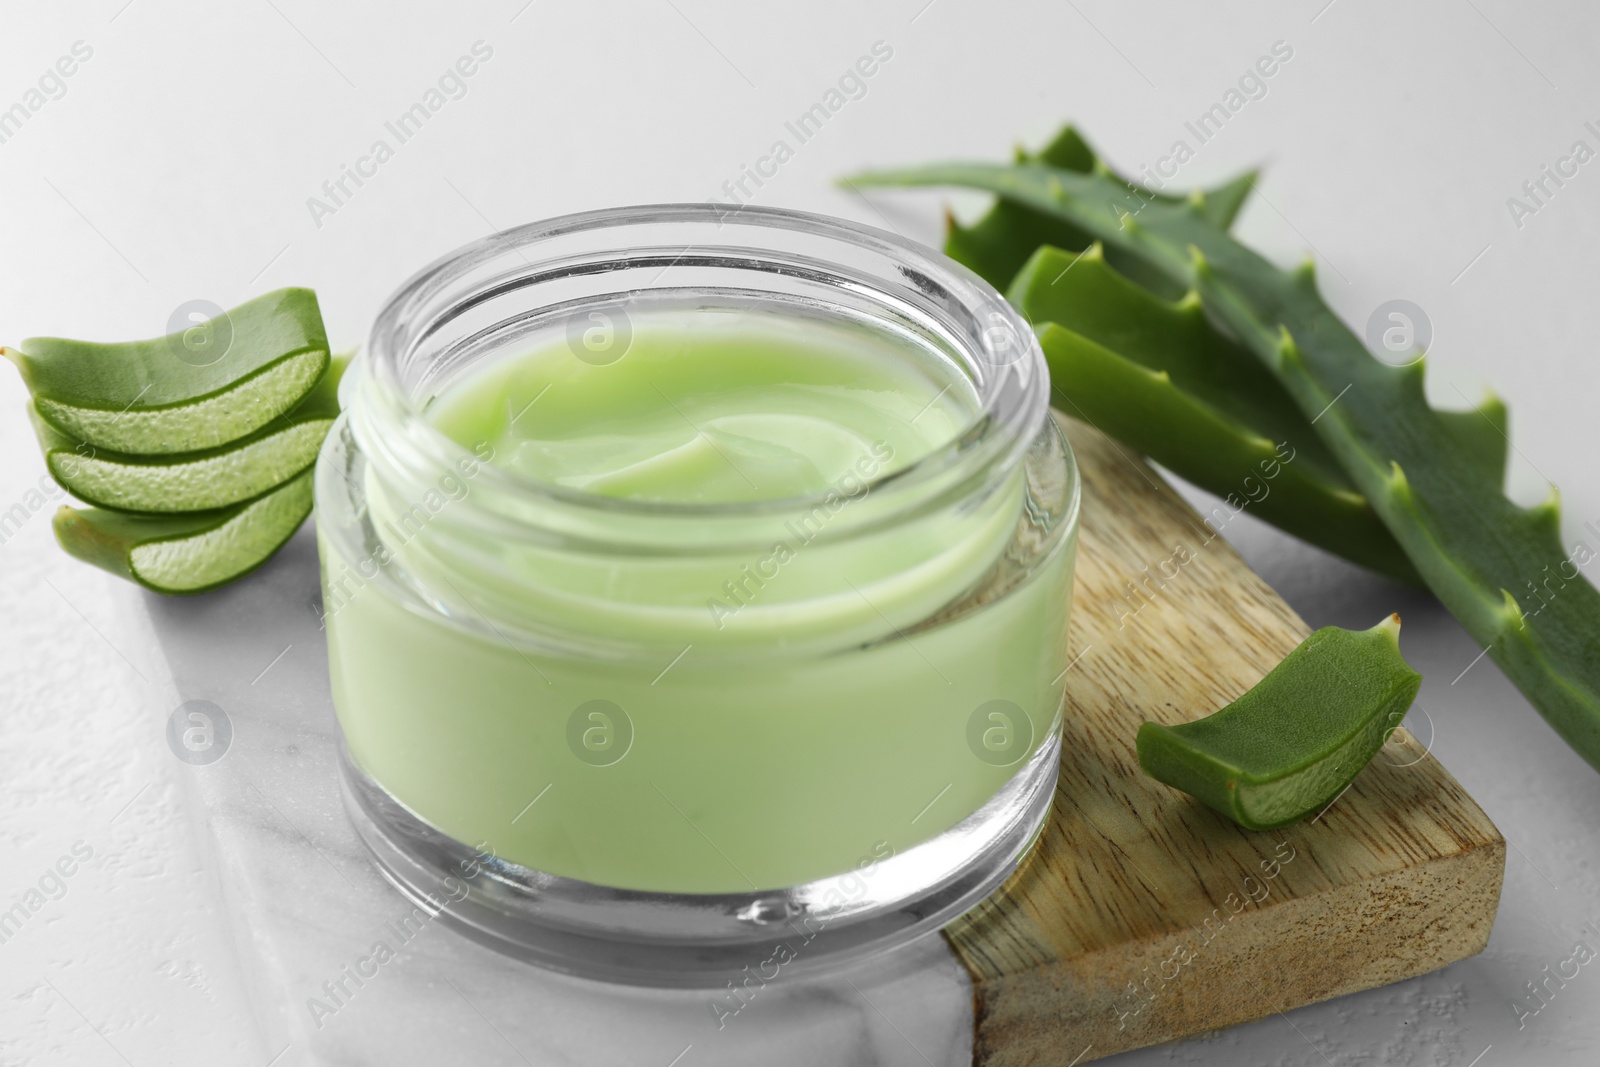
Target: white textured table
{"type": "Point", "coordinates": [176, 163]}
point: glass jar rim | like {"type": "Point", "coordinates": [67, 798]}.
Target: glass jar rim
{"type": "Point", "coordinates": [1001, 355]}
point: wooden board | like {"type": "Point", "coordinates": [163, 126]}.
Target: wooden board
{"type": "Point", "coordinates": [1143, 917]}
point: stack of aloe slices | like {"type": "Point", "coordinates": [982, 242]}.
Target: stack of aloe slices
{"type": "Point", "coordinates": [195, 449]}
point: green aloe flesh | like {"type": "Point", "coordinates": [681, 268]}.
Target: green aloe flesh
{"type": "Point", "coordinates": [1289, 746]}
{"type": "Point", "coordinates": [196, 481]}
{"type": "Point", "coordinates": [155, 397]}
{"type": "Point", "coordinates": [1499, 568]}
{"type": "Point", "coordinates": [191, 553]}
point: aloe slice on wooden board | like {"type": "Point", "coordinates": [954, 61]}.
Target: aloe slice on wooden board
{"type": "Point", "coordinates": [161, 397]}
{"type": "Point", "coordinates": [1498, 567]}
{"type": "Point", "coordinates": [191, 553]}
{"type": "Point", "coordinates": [196, 481]}
{"type": "Point", "coordinates": [1290, 745]}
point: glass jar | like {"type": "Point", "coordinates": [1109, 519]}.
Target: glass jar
{"type": "Point", "coordinates": [554, 736]}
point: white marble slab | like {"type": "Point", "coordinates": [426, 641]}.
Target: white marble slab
{"type": "Point", "coordinates": [305, 903]}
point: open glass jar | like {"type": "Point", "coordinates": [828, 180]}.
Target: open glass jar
{"type": "Point", "coordinates": [662, 740]}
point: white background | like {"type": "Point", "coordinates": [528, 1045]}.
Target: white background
{"type": "Point", "coordinates": [179, 162]}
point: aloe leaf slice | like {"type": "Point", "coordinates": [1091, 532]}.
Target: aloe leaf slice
{"type": "Point", "coordinates": [1499, 568]}
{"type": "Point", "coordinates": [159, 396]}
{"type": "Point", "coordinates": [195, 481]}
{"type": "Point", "coordinates": [190, 553]}
{"type": "Point", "coordinates": [1159, 376]}
{"type": "Point", "coordinates": [1290, 745]}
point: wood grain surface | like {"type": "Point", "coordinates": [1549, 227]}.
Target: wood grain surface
{"type": "Point", "coordinates": [1143, 917]}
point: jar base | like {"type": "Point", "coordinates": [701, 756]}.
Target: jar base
{"type": "Point", "coordinates": [691, 940]}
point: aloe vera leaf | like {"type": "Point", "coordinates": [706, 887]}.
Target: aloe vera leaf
{"type": "Point", "coordinates": [998, 244]}
{"type": "Point", "coordinates": [1160, 377]}
{"type": "Point", "coordinates": [146, 397]}
{"type": "Point", "coordinates": [189, 553]}
{"type": "Point", "coordinates": [1291, 744]}
{"type": "Point", "coordinates": [1499, 568]}
{"type": "Point", "coordinates": [1083, 293]}
{"type": "Point", "coordinates": [1484, 436]}
{"type": "Point", "coordinates": [195, 481]}
{"type": "Point", "coordinates": [1205, 408]}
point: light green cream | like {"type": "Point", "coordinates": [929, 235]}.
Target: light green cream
{"type": "Point", "coordinates": [707, 411]}
{"type": "Point", "coordinates": [675, 719]}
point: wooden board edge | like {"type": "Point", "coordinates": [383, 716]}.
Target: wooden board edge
{"type": "Point", "coordinates": [1061, 1013]}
